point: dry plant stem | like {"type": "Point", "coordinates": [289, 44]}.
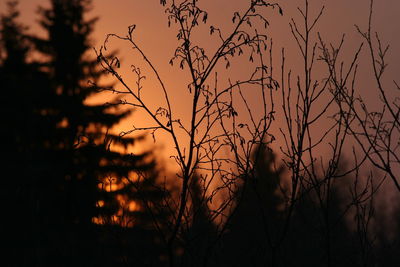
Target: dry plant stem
{"type": "Point", "coordinates": [298, 127]}
{"type": "Point", "coordinates": [211, 108]}
{"type": "Point", "coordinates": [310, 175]}
{"type": "Point", "coordinates": [363, 201]}
{"type": "Point", "coordinates": [374, 131]}
{"type": "Point", "coordinates": [379, 65]}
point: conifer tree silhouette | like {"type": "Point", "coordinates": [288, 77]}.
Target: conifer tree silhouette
{"type": "Point", "coordinates": [13, 50]}
{"type": "Point", "coordinates": [74, 153]}
{"type": "Point", "coordinates": [200, 235]}
{"type": "Point", "coordinates": [257, 223]}
{"type": "Point", "coordinates": [320, 218]}
{"type": "Point", "coordinates": [23, 139]}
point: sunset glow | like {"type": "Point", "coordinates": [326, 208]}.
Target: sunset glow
{"type": "Point", "coordinates": [201, 133]}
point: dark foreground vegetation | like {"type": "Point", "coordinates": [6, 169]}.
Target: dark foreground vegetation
{"type": "Point", "coordinates": [74, 195]}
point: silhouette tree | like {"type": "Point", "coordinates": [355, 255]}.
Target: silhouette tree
{"type": "Point", "coordinates": [255, 229]}
{"type": "Point", "coordinates": [319, 234]}
{"type": "Point", "coordinates": [88, 199]}
{"type": "Point", "coordinates": [139, 221]}
{"type": "Point", "coordinates": [213, 125]}
{"type": "Point", "coordinates": [260, 233]}
{"type": "Point", "coordinates": [23, 138]}
{"type": "Point", "coordinates": [384, 237]}
{"type": "Point", "coordinates": [71, 150]}
{"type": "Point", "coordinates": [14, 75]}
{"type": "Point", "coordinates": [199, 233]}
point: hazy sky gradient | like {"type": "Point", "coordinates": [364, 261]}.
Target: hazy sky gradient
{"type": "Point", "coordinates": [159, 42]}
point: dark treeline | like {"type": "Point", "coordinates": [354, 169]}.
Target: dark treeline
{"type": "Point", "coordinates": [70, 199]}
{"type": "Point", "coordinates": [61, 169]}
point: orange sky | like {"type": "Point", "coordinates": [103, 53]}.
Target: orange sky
{"type": "Point", "coordinates": [159, 42]}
